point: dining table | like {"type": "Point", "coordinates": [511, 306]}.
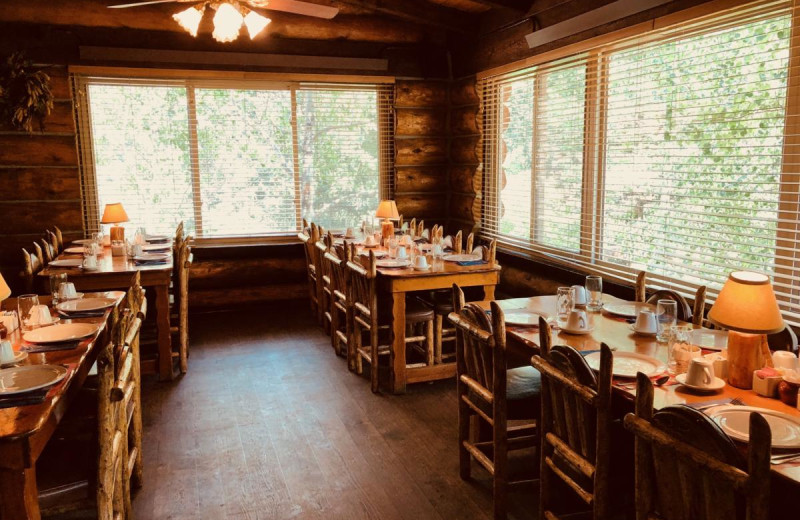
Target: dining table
{"type": "Point", "coordinates": [26, 429]}
{"type": "Point", "coordinates": [396, 283]}
{"type": "Point", "coordinates": [617, 333]}
{"type": "Point", "coordinates": [115, 272]}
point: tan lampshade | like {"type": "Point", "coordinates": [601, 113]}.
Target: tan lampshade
{"type": "Point", "coordinates": [747, 303]}
{"type": "Point", "coordinates": [114, 214]}
{"type": "Point", "coordinates": [5, 290]}
{"type": "Point", "coordinates": [387, 209]}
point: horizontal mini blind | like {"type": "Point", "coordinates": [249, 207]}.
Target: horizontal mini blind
{"type": "Point", "coordinates": [233, 158]}
{"type": "Point", "coordinates": [688, 156]}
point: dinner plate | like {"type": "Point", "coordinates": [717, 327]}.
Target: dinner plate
{"type": "Point", "coordinates": [151, 257]}
{"type": "Point", "coordinates": [710, 339]}
{"type": "Point", "coordinates": [426, 268]}
{"type": "Point", "coordinates": [379, 253]}
{"type": "Point", "coordinates": [66, 262]}
{"type": "Point", "coordinates": [19, 357]}
{"type": "Point", "coordinates": [735, 421]}
{"type": "Point", "coordinates": [60, 333]}
{"type": "Point", "coordinates": [716, 384]}
{"type": "Point", "coordinates": [74, 250]}
{"type": "Point", "coordinates": [627, 310]}
{"type": "Point", "coordinates": [393, 262]}
{"type": "Point", "coordinates": [640, 332]}
{"type": "Point", "coordinates": [156, 247]}
{"type": "Point", "coordinates": [18, 380]}
{"type": "Point", "coordinates": [82, 241]}
{"type": "Point", "coordinates": [85, 305]}
{"type": "Point", "coordinates": [523, 317]}
{"type": "Point", "coordinates": [452, 257]}
{"type": "Point", "coordinates": [627, 364]}
{"type": "Point", "coordinates": [154, 239]}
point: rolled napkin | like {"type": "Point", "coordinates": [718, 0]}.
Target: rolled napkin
{"type": "Point", "coordinates": [472, 262]}
{"type": "Point", "coordinates": [40, 315]}
{"type": "Point", "coordinates": [447, 242]}
{"type": "Point", "coordinates": [9, 320]}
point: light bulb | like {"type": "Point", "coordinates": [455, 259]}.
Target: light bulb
{"type": "Point", "coordinates": [227, 23]}
{"type": "Point", "coordinates": [255, 23]}
{"type": "Point", "coordinates": [189, 19]}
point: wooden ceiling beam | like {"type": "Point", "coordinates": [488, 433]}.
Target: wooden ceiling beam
{"type": "Point", "coordinates": [521, 6]}
{"type": "Point", "coordinates": [420, 12]}
{"type": "Point", "coordinates": [94, 13]}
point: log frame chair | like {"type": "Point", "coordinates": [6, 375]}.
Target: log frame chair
{"type": "Point", "coordinates": [183, 263]}
{"type": "Point", "coordinates": [482, 390]}
{"type": "Point", "coordinates": [137, 304]}
{"type": "Point", "coordinates": [47, 251]}
{"type": "Point", "coordinates": [575, 431]}
{"type": "Point", "coordinates": [31, 265]}
{"type": "Point", "coordinates": [686, 467]}
{"type": "Point", "coordinates": [308, 240]}
{"type": "Point", "coordinates": [341, 308]}
{"type": "Point", "coordinates": [324, 283]}
{"type": "Point", "coordinates": [684, 310]}
{"type": "Point", "coordinates": [59, 237]}
{"type": "Point", "coordinates": [367, 318]}
{"type": "Point", "coordinates": [640, 289]}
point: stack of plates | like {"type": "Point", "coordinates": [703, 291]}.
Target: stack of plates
{"type": "Point", "coordinates": [157, 239]}
{"type": "Point", "coordinates": [152, 258]}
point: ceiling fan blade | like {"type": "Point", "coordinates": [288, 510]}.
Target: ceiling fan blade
{"type": "Point", "coordinates": [137, 4]}
{"type": "Point", "coordinates": [297, 7]}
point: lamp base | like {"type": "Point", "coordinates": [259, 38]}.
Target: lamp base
{"type": "Point", "coordinates": [117, 233]}
{"type": "Point", "coordinates": [746, 354]}
{"type": "Point", "coordinates": [387, 229]}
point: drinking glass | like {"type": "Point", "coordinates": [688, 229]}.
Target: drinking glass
{"type": "Point", "coordinates": [678, 341]}
{"type": "Point", "coordinates": [667, 316]}
{"type": "Point", "coordinates": [55, 283]}
{"type": "Point", "coordinates": [566, 302]}
{"type": "Point", "coordinates": [25, 303]}
{"type": "Point", "coordinates": [391, 245]}
{"type": "Point", "coordinates": [594, 288]}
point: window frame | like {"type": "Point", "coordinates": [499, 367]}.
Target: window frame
{"type": "Point", "coordinates": [81, 77]}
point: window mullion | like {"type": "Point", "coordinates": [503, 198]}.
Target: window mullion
{"type": "Point", "coordinates": [296, 162]}
{"type": "Point", "coordinates": [593, 161]}
{"type": "Point", "coordinates": [194, 159]}
{"type": "Point", "coordinates": [536, 198]}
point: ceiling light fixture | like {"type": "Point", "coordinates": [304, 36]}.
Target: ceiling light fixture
{"type": "Point", "coordinates": [228, 20]}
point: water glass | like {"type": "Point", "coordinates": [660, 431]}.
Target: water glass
{"type": "Point", "coordinates": [594, 290]}
{"type": "Point", "coordinates": [566, 302]}
{"type": "Point", "coordinates": [55, 284]}
{"type": "Point", "coordinates": [25, 304]}
{"type": "Point", "coordinates": [391, 245]}
{"type": "Point", "coordinates": [679, 348]}
{"type": "Point", "coordinates": [667, 316]}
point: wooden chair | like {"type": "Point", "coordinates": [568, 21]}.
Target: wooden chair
{"type": "Point", "coordinates": [137, 306]}
{"type": "Point", "coordinates": [684, 311]}
{"type": "Point", "coordinates": [369, 319]}
{"type": "Point", "coordinates": [687, 468]}
{"type": "Point", "coordinates": [575, 426]}
{"type": "Point", "coordinates": [324, 288]}
{"type": "Point", "coordinates": [489, 392]}
{"type": "Point", "coordinates": [52, 239]}
{"type": "Point", "coordinates": [47, 251]}
{"type": "Point", "coordinates": [108, 491]}
{"type": "Point", "coordinates": [699, 307]}
{"type": "Point", "coordinates": [469, 245]}
{"type": "Point", "coordinates": [420, 228]}
{"type": "Point", "coordinates": [412, 226]}
{"type": "Point", "coordinates": [641, 287]}
{"type": "Point", "coordinates": [341, 309]}
{"type": "Point", "coordinates": [183, 262]}
{"type": "Point", "coordinates": [31, 266]}
{"type": "Point", "coordinates": [59, 237]}
{"type": "Point", "coordinates": [310, 251]}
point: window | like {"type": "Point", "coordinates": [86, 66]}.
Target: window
{"type": "Point", "coordinates": [670, 153]}
{"type": "Point", "coordinates": [234, 159]}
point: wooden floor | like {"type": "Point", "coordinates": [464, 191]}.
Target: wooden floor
{"type": "Point", "coordinates": [269, 424]}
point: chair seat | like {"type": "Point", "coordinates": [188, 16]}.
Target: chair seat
{"type": "Point", "coordinates": [523, 389]}
{"type": "Point", "coordinates": [416, 311]}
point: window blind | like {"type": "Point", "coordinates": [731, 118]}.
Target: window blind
{"type": "Point", "coordinates": [232, 158]}
{"type": "Point", "coordinates": [674, 152]}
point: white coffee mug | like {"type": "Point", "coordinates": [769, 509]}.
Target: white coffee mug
{"type": "Point", "coordinates": [67, 291]}
{"type": "Point", "coordinates": [369, 241]}
{"type": "Point", "coordinates": [700, 373]}
{"type": "Point", "coordinates": [6, 352]}
{"type": "Point", "coordinates": [401, 252]}
{"type": "Point", "coordinates": [579, 295]}
{"type": "Point", "coordinates": [40, 315]}
{"type": "Point", "coordinates": [577, 320]}
{"type": "Point", "coordinates": [785, 359]}
{"type": "Point", "coordinates": [646, 322]}
{"type": "Point", "coordinates": [421, 262]}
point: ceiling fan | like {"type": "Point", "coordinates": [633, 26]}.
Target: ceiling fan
{"type": "Point", "coordinates": [232, 14]}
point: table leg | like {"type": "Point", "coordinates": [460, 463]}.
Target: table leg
{"type": "Point", "coordinates": [488, 292]}
{"type": "Point", "coordinates": [19, 496]}
{"type": "Point", "coordinates": [164, 335]}
{"type": "Point", "coordinates": [398, 352]}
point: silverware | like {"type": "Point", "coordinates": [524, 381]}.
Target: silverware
{"type": "Point", "coordinates": [661, 380]}
{"type": "Point", "coordinates": [783, 457]}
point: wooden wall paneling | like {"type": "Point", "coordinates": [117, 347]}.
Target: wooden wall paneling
{"type": "Point", "coordinates": [418, 122]}
{"type": "Point", "coordinates": [465, 155]}
{"type": "Point", "coordinates": [420, 151]}
{"type": "Point", "coordinates": [412, 179]}
{"type": "Point", "coordinates": [44, 183]}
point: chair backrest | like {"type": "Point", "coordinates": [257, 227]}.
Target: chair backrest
{"type": "Point", "coordinates": [420, 228]}
{"type": "Point", "coordinates": [783, 340]}
{"type": "Point", "coordinates": [31, 265]}
{"type": "Point", "coordinates": [576, 420]}
{"type": "Point", "coordinates": [481, 352]}
{"type": "Point", "coordinates": [412, 226]}
{"type": "Point", "coordinates": [179, 234]}
{"type": "Point", "coordinates": [699, 307]}
{"type": "Point", "coordinates": [363, 289]}
{"type": "Point", "coordinates": [687, 468]}
{"type": "Point", "coordinates": [59, 238]}
{"type": "Point", "coordinates": [470, 241]}
{"type": "Point", "coordinates": [337, 258]}
{"type": "Point", "coordinates": [458, 244]}
{"type": "Point", "coordinates": [53, 240]}
{"type": "Point", "coordinates": [641, 287]}
{"type": "Point", "coordinates": [684, 311]}
{"type": "Point", "coordinates": [308, 244]}
{"type": "Point", "coordinates": [47, 251]}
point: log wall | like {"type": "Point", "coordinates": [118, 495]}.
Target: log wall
{"type": "Point", "coordinates": [464, 171]}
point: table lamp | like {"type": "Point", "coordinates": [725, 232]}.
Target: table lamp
{"type": "Point", "coordinates": [114, 214]}
{"type": "Point", "coordinates": [387, 210]}
{"type": "Point", "coordinates": [747, 307]}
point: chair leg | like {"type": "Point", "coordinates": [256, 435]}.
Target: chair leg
{"type": "Point", "coordinates": [464, 459]}
{"type": "Point", "coordinates": [438, 338]}
{"type": "Point", "coordinates": [500, 478]}
{"type": "Point", "coordinates": [373, 366]}
{"type": "Point", "coordinates": [429, 342]}
{"type": "Point", "coordinates": [357, 340]}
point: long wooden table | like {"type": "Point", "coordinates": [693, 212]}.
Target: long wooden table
{"type": "Point", "coordinates": [25, 430]}
{"type": "Point", "coordinates": [617, 333]}
{"type": "Point", "coordinates": [396, 283]}
{"type": "Point", "coordinates": [115, 272]}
